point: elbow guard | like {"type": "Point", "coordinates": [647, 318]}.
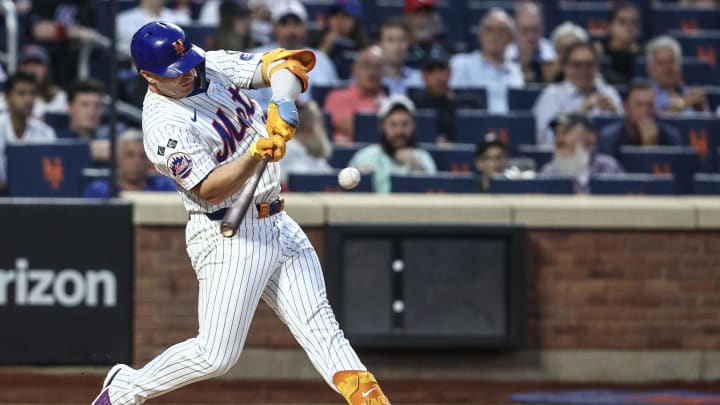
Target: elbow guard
{"type": "Point", "coordinates": [298, 62]}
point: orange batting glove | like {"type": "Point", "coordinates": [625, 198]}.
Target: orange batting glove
{"type": "Point", "coordinates": [282, 118]}
{"type": "Point", "coordinates": [359, 388]}
{"type": "Point", "coordinates": [273, 146]}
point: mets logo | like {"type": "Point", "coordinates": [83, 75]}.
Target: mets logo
{"type": "Point", "coordinates": [245, 56]}
{"type": "Point", "coordinates": [179, 47]}
{"type": "Point", "coordinates": [180, 165]}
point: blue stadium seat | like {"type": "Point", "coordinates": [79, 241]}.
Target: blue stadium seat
{"type": "Point", "coordinates": [523, 99]}
{"type": "Point", "coordinates": [667, 17]}
{"type": "Point", "coordinates": [319, 93]}
{"type": "Point", "coordinates": [706, 184]}
{"type": "Point", "coordinates": [47, 169]}
{"type": "Point", "coordinates": [591, 15]}
{"type": "Point", "coordinates": [632, 184]}
{"type": "Point", "coordinates": [682, 161]}
{"type": "Point", "coordinates": [325, 182]}
{"type": "Point", "coordinates": [702, 45]}
{"type": "Point", "coordinates": [366, 127]}
{"type": "Point", "coordinates": [457, 158]}
{"type": "Point", "coordinates": [199, 34]}
{"type": "Point", "coordinates": [437, 183]}
{"type": "Point", "coordinates": [343, 153]}
{"type": "Point", "coordinates": [514, 128]}
{"type": "Point", "coordinates": [703, 134]}
{"type": "Point", "coordinates": [695, 72]}
{"type": "Point", "coordinates": [58, 121]}
{"type": "Point", "coordinates": [541, 154]}
{"type": "Point", "coordinates": [713, 97]}
{"type": "Point", "coordinates": [539, 185]}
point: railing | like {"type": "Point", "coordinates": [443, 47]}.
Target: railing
{"type": "Point", "coordinates": [11, 25]}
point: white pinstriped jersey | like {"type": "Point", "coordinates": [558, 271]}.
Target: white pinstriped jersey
{"type": "Point", "coordinates": [188, 138]}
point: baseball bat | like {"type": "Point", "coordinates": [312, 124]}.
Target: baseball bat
{"type": "Point", "coordinates": [236, 212]}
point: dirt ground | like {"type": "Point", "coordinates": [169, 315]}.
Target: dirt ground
{"type": "Point", "coordinates": [27, 387]}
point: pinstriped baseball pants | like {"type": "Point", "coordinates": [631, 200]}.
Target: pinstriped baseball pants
{"type": "Point", "coordinates": [269, 258]}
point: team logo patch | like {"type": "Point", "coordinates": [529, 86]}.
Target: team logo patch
{"type": "Point", "coordinates": [161, 150]}
{"type": "Point", "coordinates": [180, 165]}
{"type": "Point", "coordinates": [246, 56]}
{"type": "Point", "coordinates": [172, 143]}
{"type": "Point", "coordinates": [179, 47]}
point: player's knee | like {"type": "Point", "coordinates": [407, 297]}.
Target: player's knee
{"type": "Point", "coordinates": [217, 365]}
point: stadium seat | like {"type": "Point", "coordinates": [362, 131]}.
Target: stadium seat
{"type": "Point", "coordinates": [695, 72]}
{"type": "Point", "coordinates": [342, 154]}
{"type": "Point", "coordinates": [667, 17]}
{"type": "Point", "coordinates": [319, 93]}
{"type": "Point", "coordinates": [47, 169]}
{"type": "Point", "coordinates": [681, 161]}
{"type": "Point", "coordinates": [468, 98]}
{"type": "Point", "coordinates": [514, 128]}
{"type": "Point", "coordinates": [539, 185]}
{"type": "Point", "coordinates": [541, 154]}
{"type": "Point", "coordinates": [366, 127]}
{"type": "Point", "coordinates": [702, 45]}
{"type": "Point", "coordinates": [457, 158]}
{"type": "Point", "coordinates": [632, 184]}
{"type": "Point", "coordinates": [591, 15]}
{"type": "Point", "coordinates": [200, 34]}
{"type": "Point", "coordinates": [702, 133]}
{"type": "Point", "coordinates": [441, 182]}
{"type": "Point", "coordinates": [58, 121]}
{"type": "Point", "coordinates": [706, 184]}
{"type": "Point", "coordinates": [523, 99]}
{"type": "Point", "coordinates": [325, 182]}
{"type": "Point", "coordinates": [713, 97]}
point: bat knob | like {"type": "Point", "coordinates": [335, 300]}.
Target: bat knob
{"type": "Point", "coordinates": [227, 230]}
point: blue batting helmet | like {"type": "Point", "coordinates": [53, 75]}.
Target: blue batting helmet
{"type": "Point", "coordinates": [162, 48]}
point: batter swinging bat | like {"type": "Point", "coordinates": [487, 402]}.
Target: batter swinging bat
{"type": "Point", "coordinates": [235, 214]}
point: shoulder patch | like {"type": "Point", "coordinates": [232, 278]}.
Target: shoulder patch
{"type": "Point", "coordinates": [172, 143]}
{"type": "Point", "coordinates": [161, 150]}
{"type": "Point", "coordinates": [245, 56]}
{"type": "Point", "coordinates": [180, 165]}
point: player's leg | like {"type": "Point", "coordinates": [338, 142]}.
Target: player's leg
{"type": "Point", "coordinates": [232, 276]}
{"type": "Point", "coordinates": [296, 292]}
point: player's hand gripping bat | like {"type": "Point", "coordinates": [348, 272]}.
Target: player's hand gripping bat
{"type": "Point", "coordinates": [236, 212]}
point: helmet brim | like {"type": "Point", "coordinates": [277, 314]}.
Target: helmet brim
{"type": "Point", "coordinates": [194, 56]}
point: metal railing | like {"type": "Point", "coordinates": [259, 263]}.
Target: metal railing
{"type": "Point", "coordinates": [11, 26]}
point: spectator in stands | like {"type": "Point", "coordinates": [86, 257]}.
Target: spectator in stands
{"type": "Point", "coordinates": [233, 31]}
{"type": "Point", "coordinates": [343, 35]}
{"type": "Point", "coordinates": [289, 28]}
{"type": "Point", "coordinates": [709, 4]}
{"type": "Point", "coordinates": [62, 26]}
{"type": "Point", "coordinates": [640, 126]}
{"type": "Point", "coordinates": [85, 111]}
{"type": "Point", "coordinates": [17, 125]}
{"type": "Point", "coordinates": [133, 169]}
{"type": "Point", "coordinates": [393, 40]}
{"type": "Point", "coordinates": [396, 153]}
{"type": "Point", "coordinates": [562, 37]}
{"type": "Point", "coordinates": [574, 151]}
{"type": "Point", "coordinates": [311, 148]}
{"type": "Point", "coordinates": [425, 30]}
{"type": "Point", "coordinates": [365, 94]}
{"type": "Point", "coordinates": [664, 58]}
{"type": "Point", "coordinates": [530, 50]}
{"type": "Point", "coordinates": [491, 157]}
{"type": "Point", "coordinates": [129, 21]}
{"type": "Point", "coordinates": [437, 94]}
{"type": "Point", "coordinates": [621, 46]}
{"type": "Point", "coordinates": [51, 98]}
{"type": "Point", "coordinates": [487, 68]}
{"type": "Point", "coordinates": [581, 91]}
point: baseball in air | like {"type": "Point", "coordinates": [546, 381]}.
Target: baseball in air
{"type": "Point", "coordinates": [349, 177]}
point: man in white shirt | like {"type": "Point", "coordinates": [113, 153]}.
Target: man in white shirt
{"type": "Point", "coordinates": [17, 125]}
{"type": "Point", "coordinates": [583, 91]}
{"type": "Point", "coordinates": [397, 76]}
{"type": "Point", "coordinates": [128, 22]}
{"type": "Point", "coordinates": [488, 68]}
{"type": "Point", "coordinates": [290, 28]}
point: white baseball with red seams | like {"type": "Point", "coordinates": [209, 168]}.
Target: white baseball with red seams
{"type": "Point", "coordinates": [349, 177]}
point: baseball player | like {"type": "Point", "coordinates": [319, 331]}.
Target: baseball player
{"type": "Point", "coordinates": [201, 130]}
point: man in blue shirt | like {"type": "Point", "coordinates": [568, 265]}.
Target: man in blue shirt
{"type": "Point", "coordinates": [640, 126]}
{"type": "Point", "coordinates": [132, 169]}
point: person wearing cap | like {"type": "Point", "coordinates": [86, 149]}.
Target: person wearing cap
{"type": "Point", "coordinates": [425, 30]}
{"type": "Point", "coordinates": [535, 54]}
{"type": "Point", "coordinates": [438, 96]}
{"type": "Point", "coordinates": [342, 36]}
{"type": "Point", "coordinates": [364, 95]}
{"type": "Point", "coordinates": [290, 29]}
{"type": "Point", "coordinates": [396, 153]}
{"type": "Point", "coordinates": [129, 21]}
{"type": "Point", "coordinates": [233, 31]}
{"type": "Point", "coordinates": [51, 98]}
{"type": "Point", "coordinates": [575, 153]}
{"type": "Point", "coordinates": [583, 90]}
{"type": "Point", "coordinates": [491, 157]}
{"type": "Point", "coordinates": [640, 126]}
{"type": "Point", "coordinates": [393, 40]}
{"type": "Point", "coordinates": [487, 67]}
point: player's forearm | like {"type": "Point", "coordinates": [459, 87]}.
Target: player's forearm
{"type": "Point", "coordinates": [226, 180]}
{"type": "Point", "coordinates": [283, 83]}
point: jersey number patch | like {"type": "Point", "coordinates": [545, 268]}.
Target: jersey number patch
{"type": "Point", "coordinates": [224, 126]}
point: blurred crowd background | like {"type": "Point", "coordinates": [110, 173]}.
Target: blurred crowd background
{"type": "Point", "coordinates": [466, 96]}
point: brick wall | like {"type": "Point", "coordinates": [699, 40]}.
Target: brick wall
{"type": "Point", "coordinates": [586, 290]}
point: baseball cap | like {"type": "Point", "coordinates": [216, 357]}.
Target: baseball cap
{"type": "Point", "coordinates": [289, 7]}
{"type": "Point", "coordinates": [393, 102]}
{"type": "Point", "coordinates": [489, 140]}
{"type": "Point", "coordinates": [34, 53]}
{"type": "Point", "coordinates": [414, 5]}
{"type": "Point", "coordinates": [571, 119]}
{"type": "Point", "coordinates": [437, 56]}
{"type": "Point", "coordinates": [353, 8]}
